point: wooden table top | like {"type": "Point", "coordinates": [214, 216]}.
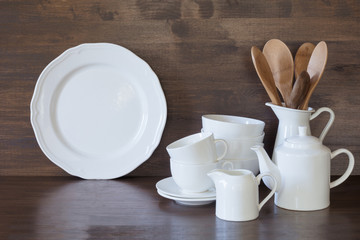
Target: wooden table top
{"type": "Point", "coordinates": [130, 208]}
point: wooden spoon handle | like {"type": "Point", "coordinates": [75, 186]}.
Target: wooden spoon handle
{"type": "Point", "coordinates": [300, 89]}
{"type": "Point", "coordinates": [264, 72]}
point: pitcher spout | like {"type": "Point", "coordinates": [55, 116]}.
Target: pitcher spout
{"type": "Point", "coordinates": [266, 165]}
{"type": "Point", "coordinates": [216, 175]}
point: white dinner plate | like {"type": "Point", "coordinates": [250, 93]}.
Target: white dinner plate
{"type": "Point", "coordinates": [98, 111]}
{"type": "Point", "coordinates": [169, 187]}
{"type": "Point", "coordinates": [188, 201]}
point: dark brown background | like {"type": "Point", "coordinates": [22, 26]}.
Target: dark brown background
{"type": "Point", "coordinates": [200, 51]}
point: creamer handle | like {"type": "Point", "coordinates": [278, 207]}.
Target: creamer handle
{"type": "Point", "coordinates": [258, 178]}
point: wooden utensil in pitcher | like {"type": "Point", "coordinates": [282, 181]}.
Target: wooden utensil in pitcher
{"type": "Point", "coordinates": [281, 64]}
{"type": "Point", "coordinates": [264, 72]}
{"type": "Point", "coordinates": [315, 69]}
{"type": "Point", "coordinates": [299, 91]}
{"type": "Point", "coordinates": [302, 58]}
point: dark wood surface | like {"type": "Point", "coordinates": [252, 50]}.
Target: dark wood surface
{"type": "Point", "coordinates": [130, 208]}
{"type": "Point", "coordinates": [200, 50]}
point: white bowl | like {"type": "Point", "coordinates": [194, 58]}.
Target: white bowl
{"type": "Point", "coordinates": [239, 148]}
{"type": "Point", "coordinates": [226, 126]}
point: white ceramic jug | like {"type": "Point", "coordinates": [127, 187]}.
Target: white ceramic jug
{"type": "Point", "coordinates": [302, 168]}
{"type": "Point", "coordinates": [290, 120]}
{"type": "Point", "coordinates": [237, 194]}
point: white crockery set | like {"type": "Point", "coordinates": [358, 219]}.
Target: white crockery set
{"type": "Point", "coordinates": [298, 176]}
{"type": "Point", "coordinates": [221, 148]}
{"type": "Point", "coordinates": [98, 112]}
{"type": "Point", "coordinates": [301, 163]}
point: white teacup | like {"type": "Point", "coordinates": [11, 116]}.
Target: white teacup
{"type": "Point", "coordinates": [239, 148]}
{"type": "Point", "coordinates": [192, 177]}
{"type": "Point", "coordinates": [225, 126]}
{"type": "Point", "coordinates": [198, 148]}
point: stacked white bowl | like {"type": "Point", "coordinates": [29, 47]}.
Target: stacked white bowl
{"type": "Point", "coordinates": [240, 134]}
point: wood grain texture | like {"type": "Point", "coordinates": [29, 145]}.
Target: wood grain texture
{"type": "Point", "coordinates": [200, 51]}
{"type": "Point", "coordinates": [129, 208]}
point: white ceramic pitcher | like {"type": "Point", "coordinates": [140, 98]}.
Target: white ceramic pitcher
{"type": "Point", "coordinates": [237, 194]}
{"type": "Point", "coordinates": [290, 120]}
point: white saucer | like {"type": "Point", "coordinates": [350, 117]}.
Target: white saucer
{"type": "Point", "coordinates": [188, 201]}
{"type": "Point", "coordinates": [170, 188]}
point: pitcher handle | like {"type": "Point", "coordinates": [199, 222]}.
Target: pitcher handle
{"type": "Point", "coordinates": [225, 150]}
{"type": "Point", "coordinates": [349, 168]}
{"type": "Point", "coordinates": [258, 178]}
{"type": "Point", "coordinates": [329, 123]}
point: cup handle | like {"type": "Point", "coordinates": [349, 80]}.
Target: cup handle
{"type": "Point", "coordinates": [258, 178]}
{"type": "Point", "coordinates": [226, 148]}
{"type": "Point", "coordinates": [231, 165]}
{"type": "Point", "coordinates": [349, 168]}
{"type": "Point", "coordinates": [329, 123]}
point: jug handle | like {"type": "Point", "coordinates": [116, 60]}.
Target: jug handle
{"type": "Point", "coordinates": [258, 178]}
{"type": "Point", "coordinates": [329, 123]}
{"type": "Point", "coordinates": [349, 168]}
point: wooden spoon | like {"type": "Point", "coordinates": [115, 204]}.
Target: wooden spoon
{"type": "Point", "coordinates": [281, 64]}
{"type": "Point", "coordinates": [302, 58]}
{"type": "Point", "coordinates": [315, 69]}
{"type": "Point", "coordinates": [264, 72]}
{"type": "Point", "coordinates": [300, 89]}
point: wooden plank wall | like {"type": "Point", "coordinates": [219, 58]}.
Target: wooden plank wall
{"type": "Point", "coordinates": [200, 50]}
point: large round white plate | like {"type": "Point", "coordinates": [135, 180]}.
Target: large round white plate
{"type": "Point", "coordinates": [98, 111]}
{"type": "Point", "coordinates": [169, 187]}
